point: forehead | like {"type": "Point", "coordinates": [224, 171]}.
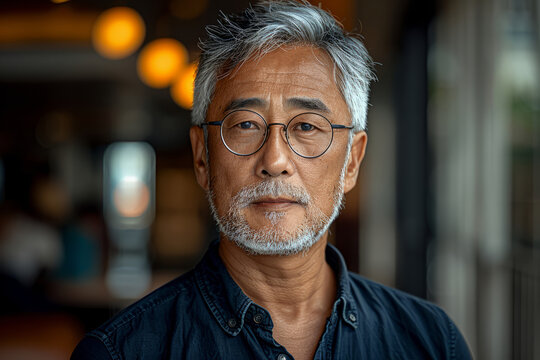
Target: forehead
{"type": "Point", "coordinates": [285, 73]}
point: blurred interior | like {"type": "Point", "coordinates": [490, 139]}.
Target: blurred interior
{"type": "Point", "coordinates": [99, 205]}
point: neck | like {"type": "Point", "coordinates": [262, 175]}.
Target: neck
{"type": "Point", "coordinates": [297, 290]}
{"type": "Point", "coordinates": [303, 283]}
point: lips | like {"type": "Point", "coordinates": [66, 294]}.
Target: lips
{"type": "Point", "coordinates": [272, 201]}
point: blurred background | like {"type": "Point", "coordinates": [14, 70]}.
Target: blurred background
{"type": "Point", "coordinates": [99, 205]}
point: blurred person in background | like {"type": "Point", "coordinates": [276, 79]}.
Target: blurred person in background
{"type": "Point", "coordinates": [279, 117]}
{"type": "Point", "coordinates": [30, 239]}
{"type": "Point", "coordinates": [35, 231]}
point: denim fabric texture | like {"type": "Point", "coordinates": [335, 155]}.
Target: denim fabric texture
{"type": "Point", "coordinates": [204, 314]}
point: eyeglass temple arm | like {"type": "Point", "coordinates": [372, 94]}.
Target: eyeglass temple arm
{"type": "Point", "coordinates": [337, 126]}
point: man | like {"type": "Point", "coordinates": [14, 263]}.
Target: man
{"type": "Point", "coordinates": [278, 138]}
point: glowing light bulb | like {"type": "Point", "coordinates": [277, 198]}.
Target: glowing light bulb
{"type": "Point", "coordinates": [118, 32]}
{"type": "Point", "coordinates": [128, 185]}
{"type": "Point", "coordinates": [131, 197]}
{"type": "Point", "coordinates": [161, 61]}
{"type": "Point", "coordinates": [182, 89]}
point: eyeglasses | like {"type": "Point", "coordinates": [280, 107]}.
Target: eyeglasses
{"type": "Point", "coordinates": [244, 132]}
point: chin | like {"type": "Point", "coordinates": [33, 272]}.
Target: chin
{"type": "Point", "coordinates": [280, 247]}
{"type": "Point", "coordinates": [274, 239]}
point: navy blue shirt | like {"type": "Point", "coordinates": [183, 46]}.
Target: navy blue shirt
{"type": "Point", "coordinates": [205, 315]}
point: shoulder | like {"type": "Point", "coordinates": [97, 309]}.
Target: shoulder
{"type": "Point", "coordinates": [145, 323]}
{"type": "Point", "coordinates": [375, 294]}
{"type": "Point", "coordinates": [413, 319]}
{"type": "Point", "coordinates": [90, 348]}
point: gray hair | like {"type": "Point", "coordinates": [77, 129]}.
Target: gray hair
{"type": "Point", "coordinates": [269, 25]}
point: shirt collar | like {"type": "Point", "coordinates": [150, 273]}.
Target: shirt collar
{"type": "Point", "coordinates": [228, 304]}
{"type": "Point", "coordinates": [223, 296]}
{"type": "Point", "coordinates": [348, 309]}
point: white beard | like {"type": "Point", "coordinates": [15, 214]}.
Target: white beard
{"type": "Point", "coordinates": [274, 239]}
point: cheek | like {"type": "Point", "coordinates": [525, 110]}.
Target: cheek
{"type": "Point", "coordinates": [221, 196]}
{"type": "Point", "coordinates": [226, 178]}
{"type": "Point", "coordinates": [321, 180]}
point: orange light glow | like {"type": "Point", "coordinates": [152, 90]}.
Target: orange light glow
{"type": "Point", "coordinates": [161, 61]}
{"type": "Point", "coordinates": [182, 89]}
{"type": "Point", "coordinates": [59, 1]}
{"type": "Point", "coordinates": [118, 32]}
{"type": "Point", "coordinates": [131, 197]}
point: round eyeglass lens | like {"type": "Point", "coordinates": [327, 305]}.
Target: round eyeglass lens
{"type": "Point", "coordinates": [309, 134]}
{"type": "Point", "coordinates": [243, 132]}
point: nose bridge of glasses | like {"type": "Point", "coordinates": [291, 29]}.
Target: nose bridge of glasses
{"type": "Point", "coordinates": [282, 126]}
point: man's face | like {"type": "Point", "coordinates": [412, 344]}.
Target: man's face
{"type": "Point", "coordinates": [274, 201]}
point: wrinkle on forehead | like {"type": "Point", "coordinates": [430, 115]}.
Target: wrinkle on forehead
{"type": "Point", "coordinates": [303, 82]}
{"type": "Point", "coordinates": [320, 55]}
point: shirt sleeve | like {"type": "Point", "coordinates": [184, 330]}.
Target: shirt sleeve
{"type": "Point", "coordinates": [90, 348]}
{"type": "Point", "coordinates": [459, 348]}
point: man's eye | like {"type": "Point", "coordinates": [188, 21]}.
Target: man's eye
{"type": "Point", "coordinates": [246, 125]}
{"type": "Point", "coordinates": [306, 127]}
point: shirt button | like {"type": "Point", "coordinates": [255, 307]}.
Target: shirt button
{"type": "Point", "coordinates": [352, 317]}
{"type": "Point", "coordinates": [258, 318]}
{"type": "Point", "coordinates": [231, 323]}
{"type": "Point", "coordinates": [282, 357]}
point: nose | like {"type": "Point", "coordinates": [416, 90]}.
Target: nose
{"type": "Point", "coordinates": [275, 157]}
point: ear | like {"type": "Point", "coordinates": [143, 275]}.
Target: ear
{"type": "Point", "coordinates": [196, 134]}
{"type": "Point", "coordinates": [358, 150]}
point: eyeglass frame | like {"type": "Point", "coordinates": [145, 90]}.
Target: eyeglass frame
{"type": "Point", "coordinates": [267, 131]}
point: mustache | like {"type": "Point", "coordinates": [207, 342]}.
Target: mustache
{"type": "Point", "coordinates": [274, 188]}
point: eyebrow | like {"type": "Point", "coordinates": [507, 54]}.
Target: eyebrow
{"type": "Point", "coordinates": [308, 104]}
{"type": "Point", "coordinates": [295, 102]}
{"type": "Point", "coordinates": [247, 102]}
